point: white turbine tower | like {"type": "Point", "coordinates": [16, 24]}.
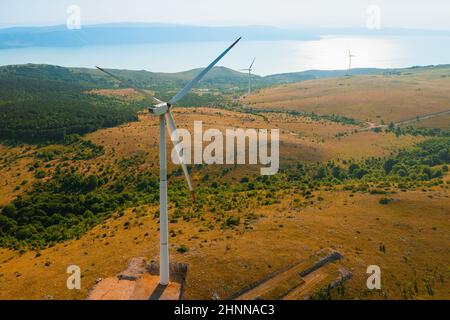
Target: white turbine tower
{"type": "Point", "coordinates": [163, 110]}
{"type": "Point", "coordinates": [249, 69]}
{"type": "Point", "coordinates": [350, 56]}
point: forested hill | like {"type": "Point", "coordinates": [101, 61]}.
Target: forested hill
{"type": "Point", "coordinates": [34, 110]}
{"type": "Point", "coordinates": [219, 78]}
{"type": "Point", "coordinates": [45, 103]}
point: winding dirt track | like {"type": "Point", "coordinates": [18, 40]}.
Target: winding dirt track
{"type": "Point", "coordinates": [424, 117]}
{"type": "Point", "coordinates": [371, 125]}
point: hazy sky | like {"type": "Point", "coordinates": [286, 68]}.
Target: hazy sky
{"type": "Point", "coordinates": [430, 14]}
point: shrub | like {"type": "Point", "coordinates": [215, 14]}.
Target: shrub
{"type": "Point", "coordinates": [182, 249]}
{"type": "Point", "coordinates": [232, 221]}
{"type": "Point", "coordinates": [385, 201]}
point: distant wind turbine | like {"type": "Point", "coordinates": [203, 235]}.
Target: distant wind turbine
{"type": "Point", "coordinates": [164, 111]}
{"type": "Point", "coordinates": [350, 56]}
{"type": "Point", "coordinates": [249, 75]}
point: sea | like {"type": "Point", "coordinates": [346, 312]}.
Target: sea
{"type": "Point", "coordinates": [272, 57]}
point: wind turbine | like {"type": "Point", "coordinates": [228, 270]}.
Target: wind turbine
{"type": "Point", "coordinates": [162, 109]}
{"type": "Point", "coordinates": [350, 56]}
{"type": "Point", "coordinates": [249, 75]}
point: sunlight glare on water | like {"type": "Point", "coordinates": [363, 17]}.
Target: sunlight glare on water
{"type": "Point", "coordinates": [332, 53]}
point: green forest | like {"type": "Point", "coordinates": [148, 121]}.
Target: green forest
{"type": "Point", "coordinates": [43, 104]}
{"type": "Point", "coordinates": [46, 111]}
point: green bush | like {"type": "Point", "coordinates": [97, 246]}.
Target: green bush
{"type": "Point", "coordinates": [232, 221]}
{"type": "Point", "coordinates": [182, 249]}
{"type": "Point", "coordinates": [385, 201]}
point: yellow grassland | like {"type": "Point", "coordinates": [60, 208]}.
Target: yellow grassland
{"type": "Point", "coordinates": [373, 98]}
{"type": "Point", "coordinates": [413, 229]}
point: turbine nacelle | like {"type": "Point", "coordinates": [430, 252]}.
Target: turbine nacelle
{"type": "Point", "coordinates": [159, 109]}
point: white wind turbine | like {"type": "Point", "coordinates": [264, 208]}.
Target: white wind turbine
{"type": "Point", "coordinates": [163, 110]}
{"type": "Point", "coordinates": [249, 69]}
{"type": "Point", "coordinates": [350, 56]}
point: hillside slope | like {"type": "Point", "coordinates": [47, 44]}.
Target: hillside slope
{"type": "Point", "coordinates": [391, 96]}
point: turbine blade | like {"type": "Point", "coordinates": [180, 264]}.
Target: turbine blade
{"type": "Point", "coordinates": [252, 63]}
{"type": "Point", "coordinates": [200, 76]}
{"type": "Point", "coordinates": [129, 84]}
{"type": "Point", "coordinates": [172, 127]}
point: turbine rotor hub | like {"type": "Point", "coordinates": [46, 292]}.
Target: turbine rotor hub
{"type": "Point", "coordinates": [159, 109]}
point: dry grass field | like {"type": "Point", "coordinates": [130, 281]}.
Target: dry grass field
{"type": "Point", "coordinates": [413, 230]}
{"type": "Point", "coordinates": [374, 98]}
{"type": "Point", "coordinates": [14, 175]}
{"type": "Point", "coordinates": [301, 139]}
{"type": "Point", "coordinates": [125, 94]}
